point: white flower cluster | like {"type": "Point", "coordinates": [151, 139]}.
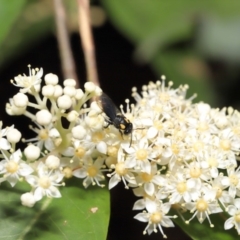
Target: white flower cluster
{"type": "Point", "coordinates": [178, 154]}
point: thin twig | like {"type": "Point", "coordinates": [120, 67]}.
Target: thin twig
{"type": "Point", "coordinates": [67, 62]}
{"type": "Point", "coordinates": [87, 41]}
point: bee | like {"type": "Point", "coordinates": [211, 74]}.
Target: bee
{"type": "Point", "coordinates": [115, 117]}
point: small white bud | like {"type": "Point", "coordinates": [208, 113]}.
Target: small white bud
{"type": "Point", "coordinates": [48, 90]}
{"type": "Point", "coordinates": [20, 100]}
{"type": "Point", "coordinates": [13, 135]}
{"type": "Point", "coordinates": [58, 91]}
{"type": "Point", "coordinates": [70, 91]}
{"type": "Point", "coordinates": [95, 106]}
{"type": "Point", "coordinates": [79, 94]}
{"type": "Point", "coordinates": [95, 122]}
{"type": "Point", "coordinates": [98, 91]}
{"type": "Point", "coordinates": [52, 162]}
{"type": "Point", "coordinates": [54, 133]}
{"type": "Point", "coordinates": [32, 152]}
{"type": "Point", "coordinates": [152, 132]}
{"type": "Point", "coordinates": [102, 147]}
{"type": "Point", "coordinates": [79, 132]}
{"type": "Point", "coordinates": [64, 102]}
{"type": "Point", "coordinates": [92, 113]}
{"type": "Point", "coordinates": [12, 110]}
{"type": "Point", "coordinates": [69, 82]}
{"type": "Point", "coordinates": [51, 79]}
{"type": "Point", "coordinates": [72, 116]}
{"type": "Point", "coordinates": [28, 199]}
{"type": "Point", "coordinates": [43, 117]}
{"type": "Point", "coordinates": [89, 87]}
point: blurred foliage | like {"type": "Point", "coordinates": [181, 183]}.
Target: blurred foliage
{"type": "Point", "coordinates": [175, 37]}
{"type": "Point", "coordinates": [28, 22]}
{"type": "Point", "coordinates": [199, 231]}
{"type": "Point", "coordinates": [78, 214]}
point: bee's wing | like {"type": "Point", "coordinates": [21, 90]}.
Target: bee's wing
{"type": "Point", "coordinates": [108, 107]}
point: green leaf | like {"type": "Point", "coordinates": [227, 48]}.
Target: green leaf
{"type": "Point", "coordinates": [171, 20]}
{"type": "Point", "coordinates": [199, 231]}
{"type": "Point", "coordinates": [9, 11]}
{"type": "Point", "coordinates": [33, 23]}
{"type": "Point", "coordinates": [79, 214]}
{"type": "Point", "coordinates": [154, 26]}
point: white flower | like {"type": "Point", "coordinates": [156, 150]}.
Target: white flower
{"type": "Point", "coordinates": [156, 217]}
{"type": "Point", "coordinates": [121, 173]}
{"type": "Point", "coordinates": [139, 156]}
{"type": "Point", "coordinates": [4, 144]}
{"type": "Point", "coordinates": [45, 184]}
{"type": "Point", "coordinates": [232, 181]}
{"type": "Point", "coordinates": [43, 138]}
{"type": "Point", "coordinates": [29, 83]}
{"type": "Point", "coordinates": [234, 211]}
{"type": "Point", "coordinates": [150, 181]}
{"type": "Point", "coordinates": [204, 206]}
{"type": "Point", "coordinates": [179, 188]}
{"type": "Point", "coordinates": [14, 168]}
{"type": "Point", "coordinates": [91, 171]}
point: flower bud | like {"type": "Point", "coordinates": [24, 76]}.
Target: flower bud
{"type": "Point", "coordinates": [13, 135]}
{"type": "Point", "coordinates": [64, 102]}
{"type": "Point", "coordinates": [79, 94]}
{"type": "Point", "coordinates": [32, 152]}
{"type": "Point", "coordinates": [20, 100]}
{"type": "Point", "coordinates": [58, 91]}
{"type": "Point", "coordinates": [28, 199]}
{"type": "Point", "coordinates": [72, 116]}
{"type": "Point", "coordinates": [70, 91]}
{"type": "Point", "coordinates": [89, 87]}
{"type": "Point", "coordinates": [52, 162]}
{"type": "Point", "coordinates": [69, 82]}
{"type": "Point", "coordinates": [43, 117]}
{"type": "Point", "coordinates": [51, 79]}
{"type": "Point", "coordinates": [48, 90]}
{"type": "Point", "coordinates": [79, 132]}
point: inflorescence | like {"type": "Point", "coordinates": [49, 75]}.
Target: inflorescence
{"type": "Point", "coordinates": [181, 154]}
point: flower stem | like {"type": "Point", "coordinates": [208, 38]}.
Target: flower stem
{"type": "Point", "coordinates": [87, 41]}
{"type": "Point", "coordinates": [68, 65]}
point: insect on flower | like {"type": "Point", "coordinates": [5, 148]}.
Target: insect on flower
{"type": "Point", "coordinates": [115, 117]}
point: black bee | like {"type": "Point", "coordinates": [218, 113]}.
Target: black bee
{"type": "Point", "coordinates": [115, 117]}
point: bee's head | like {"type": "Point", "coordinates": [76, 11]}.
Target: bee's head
{"type": "Point", "coordinates": [128, 128]}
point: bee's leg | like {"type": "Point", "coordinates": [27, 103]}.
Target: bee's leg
{"type": "Point", "coordinates": [121, 134]}
{"type": "Point", "coordinates": [108, 123]}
